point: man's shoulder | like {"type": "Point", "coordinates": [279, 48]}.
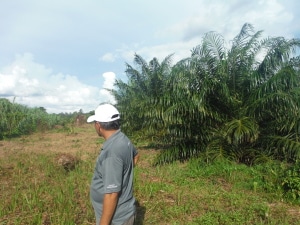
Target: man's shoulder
{"type": "Point", "coordinates": [121, 138]}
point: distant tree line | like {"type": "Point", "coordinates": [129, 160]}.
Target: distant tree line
{"type": "Point", "coordinates": [241, 103]}
{"type": "Point", "coordinates": [17, 119]}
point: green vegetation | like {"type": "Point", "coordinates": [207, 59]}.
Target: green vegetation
{"type": "Point", "coordinates": [219, 193]}
{"type": "Point", "coordinates": [36, 189]}
{"type": "Point", "coordinates": [240, 103]}
{"type": "Point", "coordinates": [17, 120]}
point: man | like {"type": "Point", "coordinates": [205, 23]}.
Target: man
{"type": "Point", "coordinates": [112, 184]}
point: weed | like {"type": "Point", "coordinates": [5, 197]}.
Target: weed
{"type": "Point", "coordinates": [34, 189]}
{"type": "Point", "coordinates": [291, 183]}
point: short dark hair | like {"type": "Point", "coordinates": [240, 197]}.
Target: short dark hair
{"type": "Point", "coordinates": [112, 125]}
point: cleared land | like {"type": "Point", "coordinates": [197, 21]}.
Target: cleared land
{"type": "Point", "coordinates": [36, 189]}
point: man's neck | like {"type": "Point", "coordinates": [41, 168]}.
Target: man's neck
{"type": "Point", "coordinates": [106, 134]}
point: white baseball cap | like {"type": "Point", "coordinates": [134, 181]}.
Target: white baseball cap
{"type": "Point", "coordinates": [104, 113]}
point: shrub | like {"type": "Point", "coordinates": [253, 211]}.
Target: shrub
{"type": "Point", "coordinates": [291, 182]}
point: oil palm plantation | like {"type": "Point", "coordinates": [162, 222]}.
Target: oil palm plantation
{"type": "Point", "coordinates": [241, 103]}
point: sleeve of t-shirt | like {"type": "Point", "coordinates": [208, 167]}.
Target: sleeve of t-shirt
{"type": "Point", "coordinates": [112, 170]}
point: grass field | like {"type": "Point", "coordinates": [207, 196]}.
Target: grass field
{"type": "Point", "coordinates": [36, 189]}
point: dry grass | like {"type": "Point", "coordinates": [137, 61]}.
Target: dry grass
{"type": "Point", "coordinates": [83, 139]}
{"type": "Point", "coordinates": [35, 190]}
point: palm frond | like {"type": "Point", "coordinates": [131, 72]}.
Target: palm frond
{"type": "Point", "coordinates": [241, 39]}
{"type": "Point", "coordinates": [241, 131]}
{"type": "Point", "coordinates": [284, 147]}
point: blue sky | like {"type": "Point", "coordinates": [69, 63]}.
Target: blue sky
{"type": "Point", "coordinates": [61, 54]}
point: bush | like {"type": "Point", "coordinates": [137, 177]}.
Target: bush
{"type": "Point", "coordinates": [291, 182]}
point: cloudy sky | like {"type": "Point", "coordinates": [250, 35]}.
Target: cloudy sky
{"type": "Point", "coordinates": [60, 55]}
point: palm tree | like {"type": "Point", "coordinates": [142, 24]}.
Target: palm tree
{"type": "Point", "coordinates": [240, 103]}
{"type": "Point", "coordinates": [197, 101]}
{"type": "Point", "coordinates": [137, 99]}
{"type": "Point", "coordinates": [237, 103]}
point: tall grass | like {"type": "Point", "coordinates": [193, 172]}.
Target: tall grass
{"type": "Point", "coordinates": [17, 119]}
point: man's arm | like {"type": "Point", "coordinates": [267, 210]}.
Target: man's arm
{"type": "Point", "coordinates": [136, 159]}
{"type": "Point", "coordinates": [109, 206]}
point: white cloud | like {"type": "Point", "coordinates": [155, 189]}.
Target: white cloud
{"type": "Point", "coordinates": [34, 85]}
{"type": "Point", "coordinates": [108, 57]}
{"type": "Point", "coordinates": [109, 79]}
{"type": "Point", "coordinates": [179, 50]}
{"type": "Point", "coordinates": [225, 18]}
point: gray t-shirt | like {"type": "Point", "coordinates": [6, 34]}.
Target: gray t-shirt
{"type": "Point", "coordinates": [114, 173]}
